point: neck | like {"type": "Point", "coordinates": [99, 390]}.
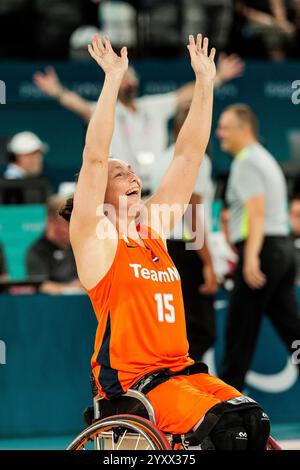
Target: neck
{"type": "Point", "coordinates": [245, 143]}
{"type": "Point", "coordinates": [129, 104]}
{"type": "Point", "coordinates": [128, 228]}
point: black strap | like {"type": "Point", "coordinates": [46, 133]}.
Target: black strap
{"type": "Point", "coordinates": [196, 368]}
{"type": "Point", "coordinates": [149, 381]}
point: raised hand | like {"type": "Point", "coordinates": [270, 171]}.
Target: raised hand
{"type": "Point", "coordinates": [104, 55]}
{"type": "Point", "coordinates": [229, 67]}
{"type": "Point", "coordinates": [202, 62]}
{"type": "Point", "coordinates": [48, 82]}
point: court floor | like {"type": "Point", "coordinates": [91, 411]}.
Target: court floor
{"type": "Point", "coordinates": [288, 435]}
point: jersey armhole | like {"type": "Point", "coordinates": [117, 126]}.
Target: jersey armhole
{"type": "Point", "coordinates": [91, 292]}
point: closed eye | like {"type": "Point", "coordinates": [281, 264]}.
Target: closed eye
{"type": "Point", "coordinates": [118, 174]}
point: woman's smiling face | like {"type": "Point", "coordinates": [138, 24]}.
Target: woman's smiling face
{"type": "Point", "coordinates": [122, 183]}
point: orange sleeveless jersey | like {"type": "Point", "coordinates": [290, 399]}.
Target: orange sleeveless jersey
{"type": "Point", "coordinates": [140, 312]}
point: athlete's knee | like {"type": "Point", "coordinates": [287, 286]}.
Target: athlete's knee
{"type": "Point", "coordinates": [245, 427]}
{"type": "Point", "coordinates": [257, 425]}
{"type": "Point", "coordinates": [229, 433]}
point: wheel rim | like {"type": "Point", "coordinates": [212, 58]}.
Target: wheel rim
{"type": "Point", "coordinates": [115, 435]}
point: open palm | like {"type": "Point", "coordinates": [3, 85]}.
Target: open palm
{"type": "Point", "coordinates": [105, 56]}
{"type": "Point", "coordinates": [48, 81]}
{"type": "Point", "coordinates": [202, 62]}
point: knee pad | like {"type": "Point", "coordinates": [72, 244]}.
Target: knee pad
{"type": "Point", "coordinates": [229, 433]}
{"type": "Point", "coordinates": [257, 425]}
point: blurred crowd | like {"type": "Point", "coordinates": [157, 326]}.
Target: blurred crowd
{"type": "Point", "coordinates": [60, 29]}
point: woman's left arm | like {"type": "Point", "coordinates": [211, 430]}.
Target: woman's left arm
{"type": "Point", "coordinates": [178, 183]}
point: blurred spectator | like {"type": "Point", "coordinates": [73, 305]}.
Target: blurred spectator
{"type": "Point", "coordinates": [294, 16]}
{"type": "Point", "coordinates": [118, 21]}
{"type": "Point", "coordinates": [26, 153]}
{"type": "Point", "coordinates": [264, 278]}
{"type": "Point", "coordinates": [79, 40]}
{"type": "Point", "coordinates": [198, 279]}
{"type": "Point", "coordinates": [294, 213]}
{"type": "Point", "coordinates": [159, 27]}
{"type": "Point", "coordinates": [213, 18]}
{"type": "Point", "coordinates": [55, 20]}
{"type": "Point", "coordinates": [267, 21]}
{"type": "Point", "coordinates": [141, 133]}
{"type": "Point", "coordinates": [163, 27]}
{"type": "Point", "coordinates": [223, 253]}
{"type": "Point", "coordinates": [3, 270]}
{"type": "Point", "coordinates": [51, 256]}
{"type": "Point", "coordinates": [42, 28]}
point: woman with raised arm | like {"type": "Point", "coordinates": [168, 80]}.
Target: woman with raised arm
{"type": "Point", "coordinates": [134, 287]}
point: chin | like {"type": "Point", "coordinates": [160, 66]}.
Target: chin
{"type": "Point", "coordinates": [134, 207]}
{"type": "Point", "coordinates": [225, 148]}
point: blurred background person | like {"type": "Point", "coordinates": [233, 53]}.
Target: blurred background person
{"type": "Point", "coordinates": [51, 256]}
{"type": "Point", "coordinates": [198, 278]}
{"type": "Point", "coordinates": [223, 253]}
{"type": "Point", "coordinates": [141, 132]}
{"type": "Point", "coordinates": [265, 275]}
{"type": "Point", "coordinates": [26, 153]}
{"type": "Point", "coordinates": [212, 17]}
{"type": "Point", "coordinates": [294, 216]}
{"type": "Point", "coordinates": [267, 23]}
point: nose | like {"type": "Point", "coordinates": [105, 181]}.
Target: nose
{"type": "Point", "coordinates": [132, 176]}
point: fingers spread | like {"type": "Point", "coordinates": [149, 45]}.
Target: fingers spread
{"type": "Point", "coordinates": [212, 54]}
{"type": "Point", "coordinates": [107, 44]}
{"type": "Point", "coordinates": [199, 42]}
{"type": "Point", "coordinates": [192, 40]}
{"type": "Point", "coordinates": [92, 52]}
{"type": "Point", "coordinates": [97, 45]}
{"type": "Point", "coordinates": [205, 46]}
{"type": "Point", "coordinates": [123, 51]}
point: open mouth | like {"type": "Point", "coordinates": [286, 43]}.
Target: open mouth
{"type": "Point", "coordinates": [133, 192]}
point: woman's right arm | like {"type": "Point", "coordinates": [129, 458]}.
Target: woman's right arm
{"type": "Point", "coordinates": [94, 253]}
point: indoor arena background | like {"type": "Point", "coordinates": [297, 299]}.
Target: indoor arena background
{"type": "Point", "coordinates": [47, 340]}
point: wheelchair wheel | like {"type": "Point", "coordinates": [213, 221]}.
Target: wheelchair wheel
{"type": "Point", "coordinates": [121, 432]}
{"type": "Point", "coordinates": [272, 444]}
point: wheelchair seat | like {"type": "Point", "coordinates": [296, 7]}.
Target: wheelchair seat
{"type": "Point", "coordinates": [132, 402]}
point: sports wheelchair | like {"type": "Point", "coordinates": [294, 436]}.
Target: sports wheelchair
{"type": "Point", "coordinates": [128, 423]}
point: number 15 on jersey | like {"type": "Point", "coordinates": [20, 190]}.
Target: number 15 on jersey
{"type": "Point", "coordinates": [165, 309]}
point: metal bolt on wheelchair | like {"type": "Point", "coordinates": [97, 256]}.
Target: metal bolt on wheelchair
{"type": "Point", "coordinates": [128, 424]}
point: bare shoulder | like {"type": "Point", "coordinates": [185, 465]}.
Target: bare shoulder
{"type": "Point", "coordinates": [95, 251]}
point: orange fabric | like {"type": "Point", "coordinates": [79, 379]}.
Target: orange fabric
{"type": "Point", "coordinates": [182, 401]}
{"type": "Point", "coordinates": [140, 312]}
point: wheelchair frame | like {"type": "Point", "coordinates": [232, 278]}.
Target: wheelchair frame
{"type": "Point", "coordinates": [136, 428]}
